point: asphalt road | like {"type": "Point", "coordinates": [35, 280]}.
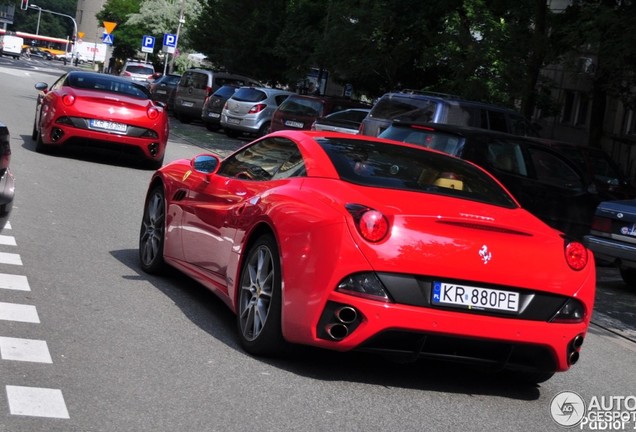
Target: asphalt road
{"type": "Point", "coordinates": [131, 352]}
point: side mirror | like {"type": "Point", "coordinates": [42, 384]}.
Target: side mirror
{"type": "Point", "coordinates": [205, 163]}
{"type": "Point", "coordinates": [41, 86]}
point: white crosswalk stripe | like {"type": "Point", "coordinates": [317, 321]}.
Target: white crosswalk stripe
{"type": "Point", "coordinates": [25, 401]}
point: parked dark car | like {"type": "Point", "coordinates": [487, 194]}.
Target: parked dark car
{"type": "Point", "coordinates": [612, 237]}
{"type": "Point", "coordinates": [443, 108]}
{"type": "Point", "coordinates": [345, 121]}
{"type": "Point", "coordinates": [300, 111]}
{"type": "Point", "coordinates": [610, 180]}
{"type": "Point", "coordinates": [7, 182]}
{"type": "Point", "coordinates": [544, 181]}
{"type": "Point", "coordinates": [213, 106]}
{"type": "Point", "coordinates": [162, 89]}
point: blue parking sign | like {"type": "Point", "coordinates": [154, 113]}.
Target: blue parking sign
{"type": "Point", "coordinates": [147, 44]}
{"type": "Point", "coordinates": [170, 40]}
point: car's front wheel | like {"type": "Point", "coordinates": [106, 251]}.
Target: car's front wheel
{"type": "Point", "coordinates": [259, 299]}
{"type": "Point", "coordinates": [152, 232]}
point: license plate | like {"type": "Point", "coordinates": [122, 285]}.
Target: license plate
{"type": "Point", "coordinates": [214, 115]}
{"type": "Point", "coordinates": [161, 92]}
{"type": "Point", "coordinates": [294, 124]}
{"type": "Point", "coordinates": [470, 297]}
{"type": "Point", "coordinates": [234, 121]}
{"type": "Point", "coordinates": [187, 104]}
{"type": "Point", "coordinates": [108, 125]}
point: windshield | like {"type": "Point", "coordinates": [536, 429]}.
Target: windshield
{"type": "Point", "coordinates": [374, 164]}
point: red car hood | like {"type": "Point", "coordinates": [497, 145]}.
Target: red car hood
{"type": "Point", "coordinates": [448, 238]}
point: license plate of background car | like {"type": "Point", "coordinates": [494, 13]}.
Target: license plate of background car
{"type": "Point", "coordinates": [470, 297]}
{"type": "Point", "coordinates": [294, 124]}
{"type": "Point", "coordinates": [214, 115]}
{"type": "Point", "coordinates": [187, 104]}
{"type": "Point", "coordinates": [108, 126]}
{"type": "Point", "coordinates": [231, 120]}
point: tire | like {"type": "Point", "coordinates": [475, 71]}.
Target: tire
{"type": "Point", "coordinates": [629, 276]}
{"type": "Point", "coordinates": [264, 130]}
{"type": "Point", "coordinates": [259, 299]}
{"type": "Point", "coordinates": [35, 133]}
{"type": "Point", "coordinates": [152, 232]}
{"type": "Point", "coordinates": [40, 147]}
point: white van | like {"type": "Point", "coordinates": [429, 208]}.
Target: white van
{"type": "Point", "coordinates": [11, 45]}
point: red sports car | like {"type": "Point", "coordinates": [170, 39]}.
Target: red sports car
{"type": "Point", "coordinates": [347, 242]}
{"type": "Point", "coordinates": [99, 110]}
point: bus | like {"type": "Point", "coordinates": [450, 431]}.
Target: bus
{"type": "Point", "coordinates": [56, 46]}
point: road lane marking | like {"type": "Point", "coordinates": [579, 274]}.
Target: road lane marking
{"type": "Point", "coordinates": [19, 312]}
{"type": "Point", "coordinates": [28, 350]}
{"type": "Point", "coordinates": [10, 258]}
{"type": "Point", "coordinates": [14, 282]}
{"type": "Point", "coordinates": [7, 240]}
{"type": "Point", "coordinates": [36, 402]}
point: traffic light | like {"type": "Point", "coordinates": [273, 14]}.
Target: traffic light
{"type": "Point", "coordinates": [24, 4]}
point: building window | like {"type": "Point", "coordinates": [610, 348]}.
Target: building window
{"type": "Point", "coordinates": [575, 108]}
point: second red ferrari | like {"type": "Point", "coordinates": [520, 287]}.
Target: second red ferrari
{"type": "Point", "coordinates": [89, 109]}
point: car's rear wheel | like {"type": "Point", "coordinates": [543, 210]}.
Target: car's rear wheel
{"type": "Point", "coordinates": [259, 299]}
{"type": "Point", "coordinates": [629, 276]}
{"type": "Point", "coordinates": [152, 232]}
{"type": "Point", "coordinates": [264, 130]}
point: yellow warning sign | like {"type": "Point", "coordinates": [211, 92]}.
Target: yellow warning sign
{"type": "Point", "coordinates": [109, 26]}
{"type": "Point", "coordinates": [80, 35]}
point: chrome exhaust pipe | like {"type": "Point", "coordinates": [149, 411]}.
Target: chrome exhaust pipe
{"type": "Point", "coordinates": [577, 342]}
{"type": "Point", "coordinates": [346, 314]}
{"type": "Point", "coordinates": [573, 358]}
{"type": "Point", "coordinates": [337, 331]}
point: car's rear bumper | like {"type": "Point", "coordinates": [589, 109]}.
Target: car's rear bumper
{"type": "Point", "coordinates": [151, 148]}
{"type": "Point", "coordinates": [612, 250]}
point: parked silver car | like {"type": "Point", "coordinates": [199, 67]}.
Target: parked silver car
{"type": "Point", "coordinates": [250, 110]}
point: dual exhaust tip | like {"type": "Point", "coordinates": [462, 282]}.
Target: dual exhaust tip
{"type": "Point", "coordinates": [573, 351]}
{"type": "Point", "coordinates": [345, 317]}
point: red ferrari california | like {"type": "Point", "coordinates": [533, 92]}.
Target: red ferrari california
{"type": "Point", "coordinates": [357, 243]}
{"type": "Point", "coordinates": [89, 109]}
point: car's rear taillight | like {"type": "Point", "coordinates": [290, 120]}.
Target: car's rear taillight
{"type": "Point", "coordinates": [576, 255]}
{"type": "Point", "coordinates": [372, 225]}
{"type": "Point", "coordinates": [257, 108]}
{"type": "Point", "coordinates": [68, 99]}
{"type": "Point", "coordinates": [602, 224]}
{"type": "Point", "coordinates": [153, 113]}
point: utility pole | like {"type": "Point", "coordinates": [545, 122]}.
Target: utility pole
{"type": "Point", "coordinates": [181, 21]}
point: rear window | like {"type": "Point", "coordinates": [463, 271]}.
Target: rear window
{"type": "Point", "coordinates": [370, 163]}
{"type": "Point", "coordinates": [302, 106]}
{"type": "Point", "coordinates": [249, 94]}
{"type": "Point", "coordinates": [99, 83]}
{"type": "Point", "coordinates": [225, 92]}
{"type": "Point", "coordinates": [448, 143]}
{"type": "Point", "coordinates": [139, 69]}
{"type": "Point", "coordinates": [416, 109]}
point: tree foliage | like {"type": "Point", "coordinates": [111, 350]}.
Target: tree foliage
{"type": "Point", "coordinates": [50, 24]}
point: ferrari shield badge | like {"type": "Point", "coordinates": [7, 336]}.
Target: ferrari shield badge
{"type": "Point", "coordinates": [485, 254]}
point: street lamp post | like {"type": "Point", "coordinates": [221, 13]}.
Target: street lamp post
{"type": "Point", "coordinates": [61, 14]}
{"type": "Point", "coordinates": [34, 6]}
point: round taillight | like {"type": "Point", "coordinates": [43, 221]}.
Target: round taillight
{"type": "Point", "coordinates": [68, 99]}
{"type": "Point", "coordinates": [576, 255]}
{"type": "Point", "coordinates": [373, 226]}
{"type": "Point", "coordinates": [153, 113]}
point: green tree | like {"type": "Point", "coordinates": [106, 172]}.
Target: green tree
{"type": "Point", "coordinates": [50, 24]}
{"type": "Point", "coordinates": [127, 39]}
{"type": "Point", "coordinates": [603, 30]}
{"type": "Point", "coordinates": [240, 35]}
